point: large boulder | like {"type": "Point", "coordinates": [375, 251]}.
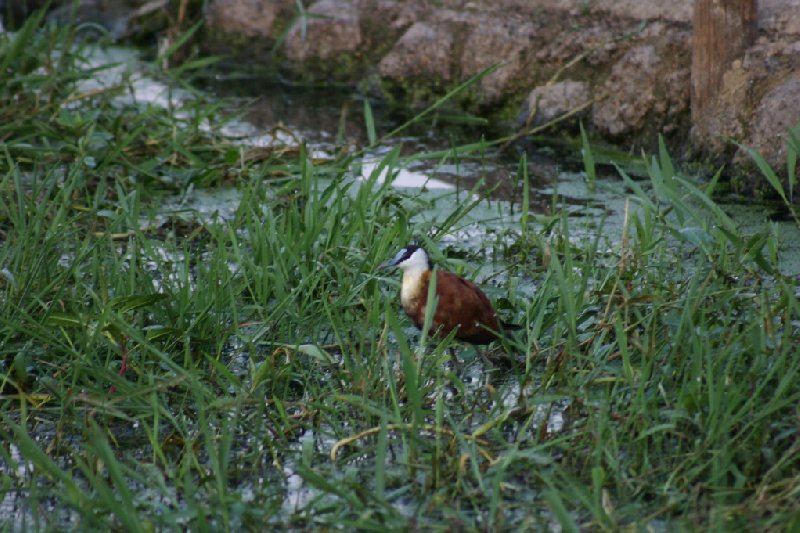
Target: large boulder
{"type": "Point", "coordinates": [251, 18]}
{"type": "Point", "coordinates": [424, 51]}
{"type": "Point", "coordinates": [548, 102]}
{"type": "Point", "coordinates": [777, 112]}
{"type": "Point", "coordinates": [331, 28]}
{"type": "Point", "coordinates": [489, 44]}
{"type": "Point", "coordinates": [629, 92]}
{"type": "Point", "coordinates": [624, 63]}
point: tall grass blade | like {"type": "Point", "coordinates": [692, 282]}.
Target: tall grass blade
{"type": "Point", "coordinates": [588, 161]}
{"type": "Point", "coordinates": [766, 171]}
{"type": "Point", "coordinates": [792, 152]}
{"type": "Point", "coordinates": [558, 508]}
{"type": "Point", "coordinates": [369, 122]}
{"type": "Point", "coordinates": [522, 173]}
{"type": "Point", "coordinates": [12, 53]}
{"type": "Point", "coordinates": [120, 499]}
{"type": "Point", "coordinates": [32, 452]}
{"type": "Point", "coordinates": [179, 42]}
{"type": "Point", "coordinates": [443, 100]}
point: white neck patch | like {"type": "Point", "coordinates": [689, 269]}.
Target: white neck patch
{"type": "Point", "coordinates": [413, 268]}
{"type": "Point", "coordinates": [417, 261]}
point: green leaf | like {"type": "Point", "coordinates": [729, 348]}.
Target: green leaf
{"type": "Point", "coordinates": [32, 452]}
{"type": "Point", "coordinates": [722, 218]}
{"type": "Point", "coordinates": [196, 64]}
{"type": "Point", "coordinates": [20, 40]}
{"type": "Point", "coordinates": [159, 332]}
{"type": "Point", "coordinates": [636, 188]}
{"type": "Point", "coordinates": [312, 350]}
{"type": "Point", "coordinates": [588, 161]}
{"type": "Point", "coordinates": [123, 304]}
{"type": "Point", "coordinates": [315, 351]}
{"type": "Point", "coordinates": [667, 169]}
{"type": "Point", "coordinates": [369, 121]}
{"type": "Point", "coordinates": [792, 151]}
{"type": "Point", "coordinates": [120, 499]}
{"type": "Point", "coordinates": [180, 41]}
{"type": "Point", "coordinates": [324, 484]}
{"type": "Point", "coordinates": [766, 170]}
{"type": "Point", "coordinates": [560, 511]}
{"type": "Point", "coordinates": [64, 320]}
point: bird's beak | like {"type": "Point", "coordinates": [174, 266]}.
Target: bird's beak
{"type": "Point", "coordinates": [387, 265]}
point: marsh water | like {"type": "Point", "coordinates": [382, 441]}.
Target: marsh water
{"type": "Point", "coordinates": [331, 122]}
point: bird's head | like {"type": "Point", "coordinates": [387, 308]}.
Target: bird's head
{"type": "Point", "coordinates": [410, 257]}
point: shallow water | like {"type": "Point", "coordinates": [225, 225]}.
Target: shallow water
{"type": "Point", "coordinates": [331, 124]}
{"type": "Point", "coordinates": [328, 124]}
{"type": "Point", "coordinates": [331, 121]}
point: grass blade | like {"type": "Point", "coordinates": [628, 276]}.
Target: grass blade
{"type": "Point", "coordinates": [369, 122]}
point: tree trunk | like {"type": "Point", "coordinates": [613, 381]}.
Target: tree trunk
{"type": "Point", "coordinates": [723, 29]}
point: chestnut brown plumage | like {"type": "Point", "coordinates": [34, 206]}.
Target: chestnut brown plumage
{"type": "Point", "coordinates": [461, 304]}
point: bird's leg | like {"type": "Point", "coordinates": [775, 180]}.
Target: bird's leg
{"type": "Point", "coordinates": [486, 358]}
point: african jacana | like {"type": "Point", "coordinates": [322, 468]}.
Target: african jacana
{"type": "Point", "coordinates": [461, 304]}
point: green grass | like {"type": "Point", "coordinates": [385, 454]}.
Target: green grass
{"type": "Point", "coordinates": [656, 381]}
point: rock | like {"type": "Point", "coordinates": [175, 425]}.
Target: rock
{"type": "Point", "coordinates": [738, 111]}
{"type": "Point", "coordinates": [424, 50]}
{"type": "Point", "coordinates": [123, 19]}
{"type": "Point", "coordinates": [399, 14]}
{"type": "Point", "coordinates": [488, 44]}
{"type": "Point", "coordinates": [677, 10]}
{"type": "Point", "coordinates": [630, 92]}
{"type": "Point", "coordinates": [676, 86]}
{"type": "Point", "coordinates": [252, 18]}
{"type": "Point", "coordinates": [631, 56]}
{"type": "Point", "coordinates": [777, 112]}
{"type": "Point", "coordinates": [791, 49]}
{"type": "Point", "coordinates": [336, 30]}
{"type": "Point", "coordinates": [598, 43]}
{"type": "Point", "coordinates": [552, 101]}
{"type": "Point", "coordinates": [779, 16]}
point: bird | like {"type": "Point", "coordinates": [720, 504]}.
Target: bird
{"type": "Point", "coordinates": [462, 306]}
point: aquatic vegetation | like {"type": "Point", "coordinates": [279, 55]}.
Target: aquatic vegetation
{"type": "Point", "coordinates": [270, 379]}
